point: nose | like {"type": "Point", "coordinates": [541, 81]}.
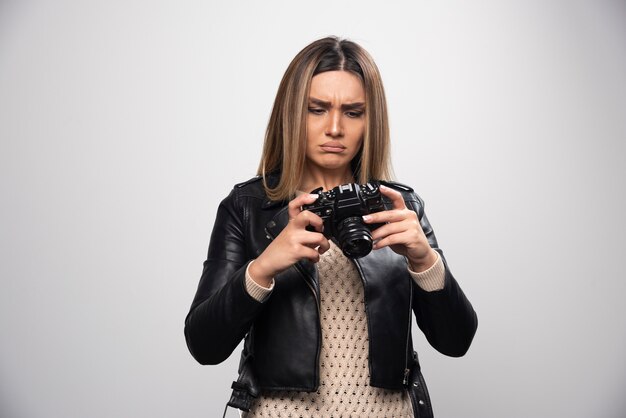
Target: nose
{"type": "Point", "coordinates": [334, 126]}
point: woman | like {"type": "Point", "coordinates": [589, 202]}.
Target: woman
{"type": "Point", "coordinates": [325, 335]}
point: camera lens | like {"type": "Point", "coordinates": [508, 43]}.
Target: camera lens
{"type": "Point", "coordinates": [354, 237]}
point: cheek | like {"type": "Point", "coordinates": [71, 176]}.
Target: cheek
{"type": "Point", "coordinates": [359, 132]}
{"type": "Point", "coordinates": [313, 128]}
{"type": "Point", "coordinates": [310, 132]}
{"type": "Point", "coordinates": [358, 147]}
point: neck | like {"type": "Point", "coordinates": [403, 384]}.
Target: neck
{"type": "Point", "coordinates": [315, 177]}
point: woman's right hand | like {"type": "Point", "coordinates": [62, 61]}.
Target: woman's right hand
{"type": "Point", "coordinates": [293, 243]}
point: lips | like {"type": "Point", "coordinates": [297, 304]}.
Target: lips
{"type": "Point", "coordinates": [332, 146]}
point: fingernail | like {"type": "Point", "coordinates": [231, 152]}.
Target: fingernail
{"type": "Point", "coordinates": [313, 196]}
{"type": "Point", "coordinates": [383, 187]}
{"type": "Point", "coordinates": [367, 218]}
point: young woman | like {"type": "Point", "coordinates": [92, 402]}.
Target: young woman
{"type": "Point", "coordinates": [325, 335]}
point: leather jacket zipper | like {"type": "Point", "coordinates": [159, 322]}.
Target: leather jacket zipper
{"type": "Point", "coordinates": [407, 370]}
{"type": "Point", "coordinates": [319, 325]}
{"type": "Point", "coordinates": [271, 237]}
{"type": "Point", "coordinates": [367, 313]}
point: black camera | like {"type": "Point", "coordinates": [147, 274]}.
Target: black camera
{"type": "Point", "coordinates": [342, 209]}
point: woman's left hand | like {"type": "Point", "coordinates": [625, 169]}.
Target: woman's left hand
{"type": "Point", "coordinates": [401, 232]}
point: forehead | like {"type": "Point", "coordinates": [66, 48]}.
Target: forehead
{"type": "Point", "coordinates": [337, 86]}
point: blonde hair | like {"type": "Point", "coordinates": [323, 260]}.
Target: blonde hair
{"type": "Point", "coordinates": [284, 148]}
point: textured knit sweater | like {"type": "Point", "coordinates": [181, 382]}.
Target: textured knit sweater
{"type": "Point", "coordinates": [344, 389]}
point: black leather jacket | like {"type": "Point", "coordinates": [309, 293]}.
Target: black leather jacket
{"type": "Point", "coordinates": [282, 334]}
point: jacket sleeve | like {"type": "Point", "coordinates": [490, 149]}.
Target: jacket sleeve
{"type": "Point", "coordinates": [222, 311]}
{"type": "Point", "coordinates": [446, 317]}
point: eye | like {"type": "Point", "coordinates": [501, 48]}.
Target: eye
{"type": "Point", "coordinates": [316, 110]}
{"type": "Point", "coordinates": [355, 114]}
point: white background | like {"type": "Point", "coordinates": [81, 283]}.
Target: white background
{"type": "Point", "coordinates": [124, 123]}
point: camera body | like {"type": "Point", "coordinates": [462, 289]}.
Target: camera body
{"type": "Point", "coordinates": [342, 208]}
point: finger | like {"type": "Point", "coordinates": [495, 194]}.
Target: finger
{"type": "Point", "coordinates": [295, 206]}
{"type": "Point", "coordinates": [392, 215]}
{"type": "Point", "coordinates": [388, 229]}
{"type": "Point", "coordinates": [324, 246]}
{"type": "Point", "coordinates": [311, 239]}
{"type": "Point", "coordinates": [306, 218]}
{"type": "Point", "coordinates": [395, 196]}
{"type": "Point", "coordinates": [310, 254]}
{"type": "Point", "coordinates": [389, 240]}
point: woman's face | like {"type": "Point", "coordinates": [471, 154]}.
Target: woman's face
{"type": "Point", "coordinates": [335, 120]}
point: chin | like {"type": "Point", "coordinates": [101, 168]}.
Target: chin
{"type": "Point", "coordinates": [334, 163]}
{"type": "Point", "coordinates": [331, 161]}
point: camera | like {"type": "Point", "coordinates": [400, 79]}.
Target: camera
{"type": "Point", "coordinates": [342, 208]}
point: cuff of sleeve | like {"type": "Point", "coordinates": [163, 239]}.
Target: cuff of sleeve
{"type": "Point", "coordinates": [431, 279]}
{"type": "Point", "coordinates": [254, 289]}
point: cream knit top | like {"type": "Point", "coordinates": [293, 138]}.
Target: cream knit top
{"type": "Point", "coordinates": [344, 389]}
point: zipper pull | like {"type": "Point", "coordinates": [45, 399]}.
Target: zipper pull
{"type": "Point", "coordinates": [406, 377]}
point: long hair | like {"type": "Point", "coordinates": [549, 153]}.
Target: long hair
{"type": "Point", "coordinates": [284, 149]}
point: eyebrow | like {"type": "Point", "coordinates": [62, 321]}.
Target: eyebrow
{"type": "Point", "coordinates": [327, 105]}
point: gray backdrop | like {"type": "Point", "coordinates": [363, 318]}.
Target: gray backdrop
{"type": "Point", "coordinates": [124, 123]}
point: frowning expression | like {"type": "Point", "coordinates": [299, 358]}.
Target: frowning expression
{"type": "Point", "coordinates": [335, 121]}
